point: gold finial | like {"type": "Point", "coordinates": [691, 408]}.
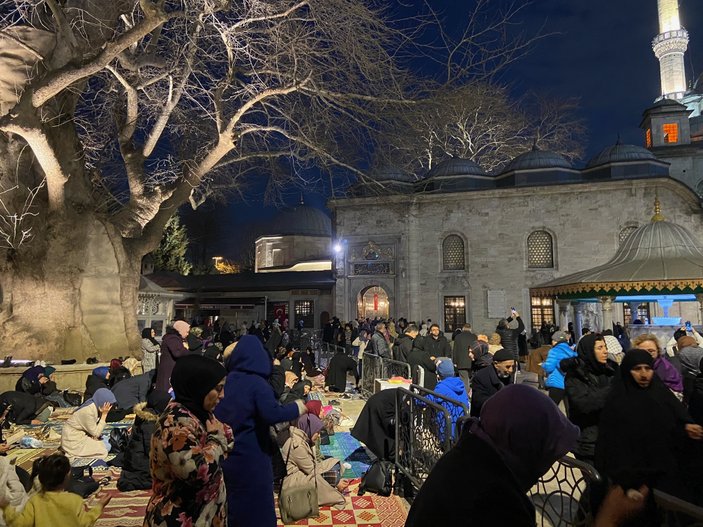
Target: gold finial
{"type": "Point", "coordinates": [657, 210]}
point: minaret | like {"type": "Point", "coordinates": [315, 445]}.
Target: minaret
{"type": "Point", "coordinates": [669, 47]}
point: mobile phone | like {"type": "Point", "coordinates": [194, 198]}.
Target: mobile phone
{"type": "Point", "coordinates": [688, 326]}
{"type": "Point", "coordinates": [512, 309]}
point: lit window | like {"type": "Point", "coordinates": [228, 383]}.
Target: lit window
{"type": "Point", "coordinates": [305, 310]}
{"type": "Point", "coordinates": [671, 133]}
{"type": "Point", "coordinates": [453, 253]}
{"type": "Point", "coordinates": [625, 234]}
{"type": "Point", "coordinates": [540, 252]}
{"type": "Point", "coordinates": [454, 312]}
{"type": "Point", "coordinates": [648, 138]}
{"type": "Point", "coordinates": [542, 311]}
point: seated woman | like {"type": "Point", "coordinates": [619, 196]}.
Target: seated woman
{"type": "Point", "coordinates": [97, 379]}
{"type": "Point", "coordinates": [25, 408]}
{"type": "Point", "coordinates": [81, 435]}
{"type": "Point", "coordinates": [133, 390]}
{"type": "Point", "coordinates": [40, 381]}
{"type": "Point", "coordinates": [135, 469]}
{"type": "Point", "coordinates": [302, 468]}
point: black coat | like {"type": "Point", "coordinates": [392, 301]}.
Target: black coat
{"type": "Point", "coordinates": [586, 395]}
{"type": "Point", "coordinates": [508, 337]}
{"type": "Point", "coordinates": [437, 348]}
{"type": "Point", "coordinates": [471, 485]}
{"type": "Point", "coordinates": [92, 384]}
{"type": "Point", "coordinates": [419, 357]}
{"type": "Point", "coordinates": [462, 346]}
{"type": "Point", "coordinates": [132, 391]}
{"type": "Point", "coordinates": [484, 384]}
{"type": "Point", "coordinates": [375, 426]}
{"type": "Point", "coordinates": [336, 377]}
{"type": "Point", "coordinates": [25, 406]}
{"type": "Point", "coordinates": [136, 473]}
{"type": "Point", "coordinates": [403, 347]}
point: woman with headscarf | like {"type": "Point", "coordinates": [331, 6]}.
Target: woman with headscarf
{"type": "Point", "coordinates": [643, 432]}
{"type": "Point", "coordinates": [250, 408]}
{"type": "Point", "coordinates": [82, 434]}
{"type": "Point", "coordinates": [498, 458]}
{"type": "Point", "coordinates": [150, 349]}
{"type": "Point", "coordinates": [99, 378]}
{"type": "Point", "coordinates": [667, 372]}
{"type": "Point", "coordinates": [302, 469]}
{"type": "Point", "coordinates": [136, 474]}
{"type": "Point", "coordinates": [172, 349]}
{"type": "Point", "coordinates": [187, 449]}
{"type": "Point", "coordinates": [587, 381]}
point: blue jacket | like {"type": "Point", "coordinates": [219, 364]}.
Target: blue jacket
{"type": "Point", "coordinates": [250, 408]}
{"type": "Point", "coordinates": [452, 388]}
{"type": "Point", "coordinates": [555, 377]}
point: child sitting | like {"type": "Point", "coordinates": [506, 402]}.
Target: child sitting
{"type": "Point", "coordinates": [54, 506]}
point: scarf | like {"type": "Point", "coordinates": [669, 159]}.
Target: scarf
{"type": "Point", "coordinates": [100, 397]}
{"type": "Point", "coordinates": [192, 379]}
{"type": "Point", "coordinates": [310, 424]}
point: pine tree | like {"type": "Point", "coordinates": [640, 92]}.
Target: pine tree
{"type": "Point", "coordinates": [171, 254]}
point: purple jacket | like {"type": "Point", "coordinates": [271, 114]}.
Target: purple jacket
{"type": "Point", "coordinates": [669, 375]}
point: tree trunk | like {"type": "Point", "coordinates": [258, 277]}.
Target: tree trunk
{"type": "Point", "coordinates": [73, 296]}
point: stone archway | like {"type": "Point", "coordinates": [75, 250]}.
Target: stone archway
{"type": "Point", "coordinates": [373, 301]}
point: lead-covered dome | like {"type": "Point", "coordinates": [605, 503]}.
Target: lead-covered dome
{"type": "Point", "coordinates": [538, 159]}
{"type": "Point", "coordinates": [619, 153]}
{"type": "Point", "coordinates": [456, 166]}
{"type": "Point", "coordinates": [302, 220]}
{"type": "Point", "coordinates": [393, 174]}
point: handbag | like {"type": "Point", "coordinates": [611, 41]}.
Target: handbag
{"type": "Point", "coordinates": [378, 479]}
{"type": "Point", "coordinates": [81, 483]}
{"type": "Point", "coordinates": [298, 502]}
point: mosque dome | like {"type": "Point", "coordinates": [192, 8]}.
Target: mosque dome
{"type": "Point", "coordinates": [536, 159]}
{"type": "Point", "coordinates": [302, 220]}
{"type": "Point", "coordinates": [391, 173]}
{"type": "Point", "coordinates": [456, 166]}
{"type": "Point", "coordinates": [620, 153]}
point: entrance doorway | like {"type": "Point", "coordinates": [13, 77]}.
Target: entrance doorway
{"type": "Point", "coordinates": [373, 302]}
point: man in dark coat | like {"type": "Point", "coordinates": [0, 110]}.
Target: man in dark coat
{"type": "Point", "coordinates": [420, 358]}
{"type": "Point", "coordinates": [460, 354]}
{"type": "Point", "coordinates": [340, 365]}
{"type": "Point", "coordinates": [404, 344]}
{"type": "Point", "coordinates": [509, 336]}
{"type": "Point", "coordinates": [379, 343]}
{"type": "Point", "coordinates": [491, 379]}
{"type": "Point", "coordinates": [436, 344]}
{"type": "Point", "coordinates": [133, 390]}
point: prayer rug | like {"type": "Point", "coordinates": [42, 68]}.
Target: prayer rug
{"type": "Point", "coordinates": [360, 511]}
{"type": "Point", "coordinates": [126, 509]}
{"type": "Point", "coordinates": [24, 457]}
{"type": "Point", "coordinates": [347, 449]}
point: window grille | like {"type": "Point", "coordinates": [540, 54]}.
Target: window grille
{"type": "Point", "coordinates": [625, 233]}
{"type": "Point", "coordinates": [540, 253]}
{"type": "Point", "coordinates": [453, 253]}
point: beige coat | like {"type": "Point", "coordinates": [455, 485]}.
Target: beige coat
{"type": "Point", "coordinates": [303, 469]}
{"type": "Point", "coordinates": [81, 434]}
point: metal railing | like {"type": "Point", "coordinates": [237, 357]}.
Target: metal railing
{"type": "Point", "coordinates": [562, 496]}
{"type": "Point", "coordinates": [325, 352]}
{"type": "Point", "coordinates": [376, 367]}
{"type": "Point", "coordinates": [458, 412]}
{"type": "Point", "coordinates": [419, 437]}
{"type": "Point", "coordinates": [677, 512]}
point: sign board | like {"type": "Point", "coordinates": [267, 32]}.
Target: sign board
{"type": "Point", "coordinates": [496, 303]}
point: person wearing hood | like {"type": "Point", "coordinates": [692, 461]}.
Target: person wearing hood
{"type": "Point", "coordinates": [297, 444]}
{"type": "Point", "coordinates": [587, 381]}
{"type": "Point", "coordinates": [480, 354]}
{"type": "Point", "coordinates": [667, 372]}
{"type": "Point", "coordinates": [136, 474]}
{"type": "Point", "coordinates": [642, 433]}
{"type": "Point", "coordinates": [187, 449]}
{"type": "Point", "coordinates": [172, 349]}
{"type": "Point", "coordinates": [150, 349]}
{"type": "Point", "coordinates": [25, 408]}
{"type": "Point", "coordinates": [250, 408]}
{"type": "Point", "coordinates": [490, 380]}
{"type": "Point", "coordinates": [133, 390]}
{"type": "Point", "coordinates": [451, 387]}
{"type": "Point", "coordinates": [485, 477]}
{"type": "Point", "coordinates": [82, 433]}
{"type": "Point", "coordinates": [340, 365]}
{"type": "Point", "coordinates": [99, 378]}
{"type": "Point", "coordinates": [555, 377]}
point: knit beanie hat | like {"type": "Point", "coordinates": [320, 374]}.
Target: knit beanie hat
{"type": "Point", "coordinates": [503, 354]}
{"type": "Point", "coordinates": [445, 367]}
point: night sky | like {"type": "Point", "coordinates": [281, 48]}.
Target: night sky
{"type": "Point", "coordinates": [600, 53]}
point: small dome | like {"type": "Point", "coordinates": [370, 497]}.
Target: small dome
{"type": "Point", "coordinates": [456, 166]}
{"type": "Point", "coordinates": [302, 220]}
{"type": "Point", "coordinates": [393, 174]}
{"type": "Point", "coordinates": [536, 159]}
{"type": "Point", "coordinates": [620, 153]}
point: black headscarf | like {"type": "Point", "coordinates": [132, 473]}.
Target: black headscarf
{"type": "Point", "coordinates": [146, 334]}
{"type": "Point", "coordinates": [586, 352]}
{"type": "Point", "coordinates": [158, 400]}
{"type": "Point", "coordinates": [192, 379]}
{"type": "Point", "coordinates": [641, 430]}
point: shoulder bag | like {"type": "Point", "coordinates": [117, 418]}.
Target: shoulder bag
{"type": "Point", "coordinates": [300, 501]}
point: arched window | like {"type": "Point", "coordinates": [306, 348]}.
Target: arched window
{"type": "Point", "coordinates": [540, 250]}
{"type": "Point", "coordinates": [453, 253]}
{"type": "Point", "coordinates": [625, 233]}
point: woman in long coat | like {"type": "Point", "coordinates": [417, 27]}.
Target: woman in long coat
{"type": "Point", "coordinates": [81, 435]}
{"type": "Point", "coordinates": [172, 349]}
{"type": "Point", "coordinates": [250, 408]}
{"type": "Point", "coordinates": [187, 449]}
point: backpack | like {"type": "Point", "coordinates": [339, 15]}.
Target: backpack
{"type": "Point", "coordinates": [377, 479]}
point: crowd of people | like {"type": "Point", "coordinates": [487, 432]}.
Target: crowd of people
{"type": "Point", "coordinates": [213, 403]}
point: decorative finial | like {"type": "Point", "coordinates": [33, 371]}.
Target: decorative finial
{"type": "Point", "coordinates": [619, 141]}
{"type": "Point", "coordinates": [301, 199]}
{"type": "Point", "coordinates": [535, 148]}
{"type": "Point", "coordinates": [657, 210]}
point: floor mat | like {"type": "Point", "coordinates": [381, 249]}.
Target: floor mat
{"type": "Point", "coordinates": [367, 511]}
{"type": "Point", "coordinates": [24, 457]}
{"type": "Point", "coordinates": [346, 448]}
{"type": "Point", "coordinates": [126, 509]}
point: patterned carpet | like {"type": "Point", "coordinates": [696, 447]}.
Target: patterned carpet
{"type": "Point", "coordinates": [345, 448]}
{"type": "Point", "coordinates": [126, 509]}
{"type": "Point", "coordinates": [360, 511]}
